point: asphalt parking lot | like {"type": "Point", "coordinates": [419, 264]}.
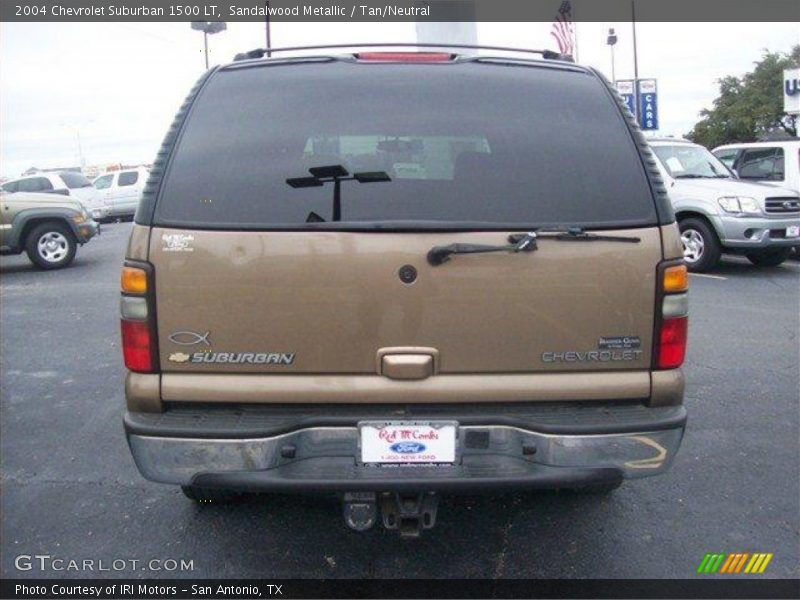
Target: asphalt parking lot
{"type": "Point", "coordinates": [69, 488]}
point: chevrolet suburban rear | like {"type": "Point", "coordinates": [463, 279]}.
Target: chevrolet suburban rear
{"type": "Point", "coordinates": [394, 274]}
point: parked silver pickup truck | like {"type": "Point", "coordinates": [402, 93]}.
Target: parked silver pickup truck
{"type": "Point", "coordinates": [718, 212]}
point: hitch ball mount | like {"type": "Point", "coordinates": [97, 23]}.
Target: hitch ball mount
{"type": "Point", "coordinates": [408, 513]}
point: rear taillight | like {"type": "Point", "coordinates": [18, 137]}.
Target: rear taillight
{"type": "Point", "coordinates": [672, 342]}
{"type": "Point", "coordinates": [136, 348]}
{"type": "Point", "coordinates": [405, 56]}
{"type": "Point", "coordinates": [669, 347]}
{"type": "Point", "coordinates": [138, 319]}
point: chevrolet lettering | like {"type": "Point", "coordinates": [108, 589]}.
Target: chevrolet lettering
{"type": "Point", "coordinates": [592, 355]}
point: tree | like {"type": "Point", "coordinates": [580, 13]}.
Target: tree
{"type": "Point", "coordinates": [749, 107]}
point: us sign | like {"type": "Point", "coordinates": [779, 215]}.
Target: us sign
{"type": "Point", "coordinates": [625, 89]}
{"type": "Point", "coordinates": [648, 105]}
{"type": "Point", "coordinates": [791, 91]}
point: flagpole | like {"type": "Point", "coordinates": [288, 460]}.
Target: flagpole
{"type": "Point", "coordinates": [575, 21]}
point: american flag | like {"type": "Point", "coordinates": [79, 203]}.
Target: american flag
{"type": "Point", "coordinates": [563, 29]}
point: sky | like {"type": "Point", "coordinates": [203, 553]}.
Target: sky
{"type": "Point", "coordinates": [108, 91]}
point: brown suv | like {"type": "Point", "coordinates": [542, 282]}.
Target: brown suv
{"type": "Point", "coordinates": [391, 274]}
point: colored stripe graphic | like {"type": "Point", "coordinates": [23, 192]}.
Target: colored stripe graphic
{"type": "Point", "coordinates": [766, 562]}
{"type": "Point", "coordinates": [741, 562]}
{"type": "Point", "coordinates": [726, 565]}
{"type": "Point", "coordinates": [703, 563]}
{"type": "Point", "coordinates": [734, 562]}
{"type": "Point", "coordinates": [710, 563]}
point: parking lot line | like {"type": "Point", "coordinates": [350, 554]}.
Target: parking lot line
{"type": "Point", "coordinates": [709, 276]}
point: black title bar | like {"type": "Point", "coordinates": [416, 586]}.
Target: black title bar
{"type": "Point", "coordinates": [206, 589]}
{"type": "Point", "coordinates": [394, 11]}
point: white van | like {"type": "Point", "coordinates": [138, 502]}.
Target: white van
{"type": "Point", "coordinates": [776, 163]}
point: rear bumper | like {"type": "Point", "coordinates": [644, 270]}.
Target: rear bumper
{"type": "Point", "coordinates": [555, 447]}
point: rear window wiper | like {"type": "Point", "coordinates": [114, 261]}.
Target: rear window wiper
{"type": "Point", "coordinates": [524, 242]}
{"type": "Point", "coordinates": [577, 234]}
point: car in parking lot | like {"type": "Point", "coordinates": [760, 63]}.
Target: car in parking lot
{"type": "Point", "coordinates": [718, 212]}
{"type": "Point", "coordinates": [48, 227]}
{"type": "Point", "coordinates": [776, 163]}
{"type": "Point", "coordinates": [501, 303]}
{"type": "Point", "coordinates": [67, 183]}
{"type": "Point", "coordinates": [121, 190]}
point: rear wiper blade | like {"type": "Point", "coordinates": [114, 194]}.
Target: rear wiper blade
{"type": "Point", "coordinates": [525, 242]}
{"type": "Point", "coordinates": [578, 234]}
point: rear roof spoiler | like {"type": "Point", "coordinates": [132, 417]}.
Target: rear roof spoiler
{"type": "Point", "coordinates": [262, 52]}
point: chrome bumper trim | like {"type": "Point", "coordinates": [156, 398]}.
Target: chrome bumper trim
{"type": "Point", "coordinates": [179, 460]}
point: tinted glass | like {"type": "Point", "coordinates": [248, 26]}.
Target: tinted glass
{"type": "Point", "coordinates": [489, 145]}
{"type": "Point", "coordinates": [762, 164]}
{"type": "Point", "coordinates": [11, 186]}
{"type": "Point", "coordinates": [35, 184]}
{"type": "Point", "coordinates": [104, 182]}
{"type": "Point", "coordinates": [74, 180]}
{"type": "Point", "coordinates": [128, 178]}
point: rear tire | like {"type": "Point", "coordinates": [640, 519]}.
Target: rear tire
{"type": "Point", "coordinates": [769, 258]}
{"type": "Point", "coordinates": [209, 495]}
{"type": "Point", "coordinates": [51, 245]}
{"type": "Point", "coordinates": [701, 248]}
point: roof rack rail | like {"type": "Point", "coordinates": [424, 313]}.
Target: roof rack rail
{"type": "Point", "coordinates": [261, 52]}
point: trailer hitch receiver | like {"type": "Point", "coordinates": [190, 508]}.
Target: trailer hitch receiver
{"type": "Point", "coordinates": [409, 513]}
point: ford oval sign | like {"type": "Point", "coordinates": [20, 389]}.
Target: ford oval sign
{"type": "Point", "coordinates": [407, 447]}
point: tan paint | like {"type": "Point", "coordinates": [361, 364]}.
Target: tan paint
{"type": "Point", "coordinates": [400, 350]}
{"type": "Point", "coordinates": [334, 299]}
{"type": "Point", "coordinates": [671, 239]}
{"type": "Point", "coordinates": [667, 387]}
{"type": "Point", "coordinates": [138, 243]}
{"type": "Point", "coordinates": [292, 389]}
{"type": "Point", "coordinates": [407, 366]}
{"type": "Point", "coordinates": [143, 392]}
{"type": "Point", "coordinates": [13, 204]}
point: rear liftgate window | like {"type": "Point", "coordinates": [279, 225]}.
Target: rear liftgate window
{"type": "Point", "coordinates": [490, 146]}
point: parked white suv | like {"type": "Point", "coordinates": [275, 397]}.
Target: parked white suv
{"type": "Point", "coordinates": [718, 212]}
{"type": "Point", "coordinates": [68, 183]}
{"type": "Point", "coordinates": [121, 190]}
{"type": "Point", "coordinates": [776, 163]}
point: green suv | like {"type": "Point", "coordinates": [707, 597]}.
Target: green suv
{"type": "Point", "coordinates": [48, 227]}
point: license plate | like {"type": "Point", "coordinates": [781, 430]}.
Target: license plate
{"type": "Point", "coordinates": [408, 442]}
{"type": "Point", "coordinates": [793, 231]}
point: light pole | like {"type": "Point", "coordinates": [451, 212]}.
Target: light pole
{"type": "Point", "coordinates": [611, 40]}
{"type": "Point", "coordinates": [77, 131]}
{"type": "Point", "coordinates": [208, 28]}
{"type": "Point", "coordinates": [635, 60]}
{"type": "Point", "coordinates": [269, 40]}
